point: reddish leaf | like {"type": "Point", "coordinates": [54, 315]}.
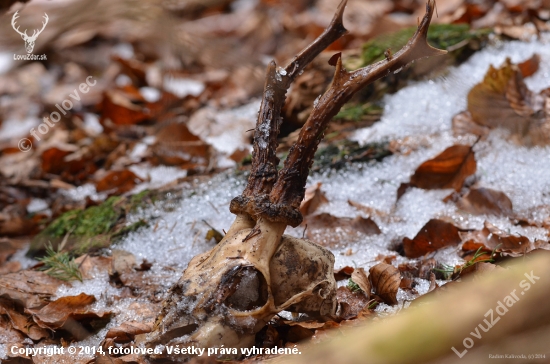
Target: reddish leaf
{"type": "Point", "coordinates": [385, 280]}
{"type": "Point", "coordinates": [447, 170]}
{"type": "Point", "coordinates": [484, 201]}
{"type": "Point", "coordinates": [118, 182]}
{"type": "Point", "coordinates": [529, 66]}
{"type": "Point", "coordinates": [492, 238]}
{"type": "Point", "coordinates": [177, 146]}
{"type": "Point", "coordinates": [436, 234]}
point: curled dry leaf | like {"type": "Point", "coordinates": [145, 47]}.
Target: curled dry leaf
{"type": "Point", "coordinates": [385, 280]}
{"type": "Point", "coordinates": [436, 234]}
{"type": "Point", "coordinates": [492, 238]}
{"type": "Point", "coordinates": [359, 276]}
{"type": "Point", "coordinates": [118, 182]}
{"type": "Point", "coordinates": [313, 198]}
{"type": "Point", "coordinates": [485, 201]}
{"type": "Point", "coordinates": [447, 170]}
{"type": "Point", "coordinates": [503, 100]}
{"type": "Point", "coordinates": [21, 322]}
{"type": "Point", "coordinates": [127, 331]}
{"type": "Point", "coordinates": [65, 310]}
{"type": "Point", "coordinates": [350, 304]}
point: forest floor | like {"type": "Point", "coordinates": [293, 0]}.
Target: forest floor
{"type": "Point", "coordinates": [435, 173]}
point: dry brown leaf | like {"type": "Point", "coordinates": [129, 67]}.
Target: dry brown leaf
{"type": "Point", "coordinates": [118, 182]}
{"type": "Point", "coordinates": [350, 303]}
{"type": "Point", "coordinates": [29, 288]}
{"type": "Point", "coordinates": [485, 201]}
{"type": "Point", "coordinates": [329, 230]}
{"type": "Point", "coordinates": [359, 276]}
{"type": "Point", "coordinates": [370, 211]}
{"type": "Point", "coordinates": [313, 198]}
{"type": "Point", "coordinates": [127, 331]}
{"type": "Point", "coordinates": [65, 309]}
{"type": "Point", "coordinates": [503, 100]}
{"type": "Point", "coordinates": [385, 280]}
{"type": "Point", "coordinates": [436, 234]}
{"type": "Point", "coordinates": [492, 238]}
{"type": "Point", "coordinates": [463, 124]}
{"type": "Point", "coordinates": [447, 170]}
{"type": "Point", "coordinates": [21, 322]}
{"type": "Point", "coordinates": [177, 146]}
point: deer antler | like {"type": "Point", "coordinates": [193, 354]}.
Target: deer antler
{"type": "Point", "coordinates": [263, 175]}
{"type": "Point", "coordinates": [36, 33]}
{"type": "Point", "coordinates": [288, 191]}
{"type": "Point", "coordinates": [13, 19]}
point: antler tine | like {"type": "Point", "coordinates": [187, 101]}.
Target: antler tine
{"type": "Point", "coordinates": [288, 191]}
{"type": "Point", "coordinates": [263, 174]}
{"type": "Point", "coordinates": [13, 19]}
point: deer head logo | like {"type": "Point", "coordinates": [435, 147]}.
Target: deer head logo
{"type": "Point", "coordinates": [29, 40]}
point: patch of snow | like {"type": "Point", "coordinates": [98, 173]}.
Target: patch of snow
{"type": "Point", "coordinates": [12, 128]}
{"type": "Point", "coordinates": [81, 192]}
{"type": "Point", "coordinates": [98, 286]}
{"type": "Point", "coordinates": [91, 124]}
{"type": "Point", "coordinates": [6, 61]}
{"type": "Point", "coordinates": [182, 87]}
{"type": "Point", "coordinates": [37, 204]}
{"type": "Point", "coordinates": [123, 50]}
{"type": "Point", "coordinates": [177, 236]}
{"type": "Point", "coordinates": [226, 130]}
{"type": "Point", "coordinates": [150, 94]}
{"type": "Point", "coordinates": [157, 176]}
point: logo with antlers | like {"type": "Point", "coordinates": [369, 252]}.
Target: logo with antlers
{"type": "Point", "coordinates": [29, 40]}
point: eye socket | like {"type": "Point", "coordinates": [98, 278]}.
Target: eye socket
{"type": "Point", "coordinates": [245, 288]}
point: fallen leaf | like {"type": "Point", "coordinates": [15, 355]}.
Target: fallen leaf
{"type": "Point", "coordinates": [21, 322]}
{"type": "Point", "coordinates": [330, 230]}
{"type": "Point", "coordinates": [503, 100]}
{"type": "Point", "coordinates": [359, 276]}
{"type": "Point", "coordinates": [485, 201]}
{"type": "Point", "coordinates": [436, 234]}
{"type": "Point", "coordinates": [313, 198]}
{"type": "Point", "coordinates": [29, 288]}
{"type": "Point", "coordinates": [343, 273]}
{"type": "Point", "coordinates": [56, 314]}
{"type": "Point", "coordinates": [350, 303]}
{"type": "Point", "coordinates": [463, 124]}
{"type": "Point", "coordinates": [177, 146]}
{"type": "Point", "coordinates": [385, 280]}
{"type": "Point", "coordinates": [127, 331]}
{"type": "Point", "coordinates": [492, 238]}
{"type": "Point", "coordinates": [370, 211]}
{"type": "Point", "coordinates": [447, 170]}
{"type": "Point", "coordinates": [118, 182]}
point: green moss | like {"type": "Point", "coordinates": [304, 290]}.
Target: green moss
{"type": "Point", "coordinates": [91, 228]}
{"type": "Point", "coordinates": [339, 154]}
{"type": "Point", "coordinates": [358, 112]}
{"type": "Point", "coordinates": [441, 36]}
